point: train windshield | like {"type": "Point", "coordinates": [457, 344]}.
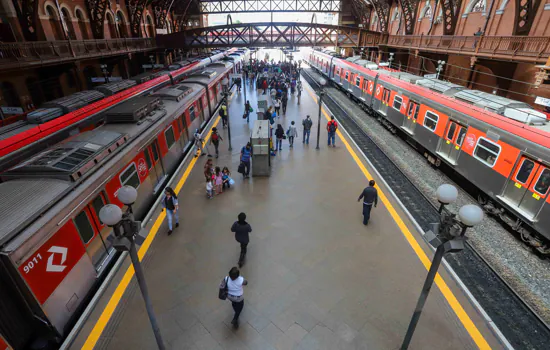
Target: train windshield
{"type": "Point", "coordinates": [544, 182]}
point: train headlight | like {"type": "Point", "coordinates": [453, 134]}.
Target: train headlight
{"type": "Point", "coordinates": [110, 214]}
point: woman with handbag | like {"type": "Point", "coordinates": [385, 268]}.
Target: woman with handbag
{"type": "Point", "coordinates": [280, 135]}
{"type": "Point", "coordinates": [232, 288]}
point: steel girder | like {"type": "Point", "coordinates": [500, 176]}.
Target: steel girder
{"type": "Point", "coordinates": [230, 6]}
{"type": "Point", "coordinates": [382, 8]}
{"type": "Point", "coordinates": [362, 11]}
{"type": "Point", "coordinates": [135, 12]}
{"type": "Point", "coordinates": [526, 10]}
{"type": "Point", "coordinates": [451, 9]}
{"type": "Point", "coordinates": [96, 11]}
{"type": "Point", "coordinates": [160, 10]}
{"type": "Point", "coordinates": [286, 34]}
{"type": "Point", "coordinates": [27, 13]}
{"type": "Point", "coordinates": [410, 8]}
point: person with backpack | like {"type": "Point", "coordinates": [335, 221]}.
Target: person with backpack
{"type": "Point", "coordinates": [332, 126]}
{"type": "Point", "coordinates": [247, 110]}
{"type": "Point", "coordinates": [223, 115]}
{"type": "Point", "coordinates": [246, 153]}
{"type": "Point", "coordinates": [232, 287]}
{"type": "Point", "coordinates": [215, 140]}
{"type": "Point", "coordinates": [370, 198]}
{"type": "Point", "coordinates": [241, 228]}
{"type": "Point", "coordinates": [198, 142]}
{"type": "Point", "coordinates": [291, 133]}
{"type": "Point", "coordinates": [170, 204]}
{"type": "Point", "coordinates": [306, 123]}
{"type": "Point", "coordinates": [280, 135]}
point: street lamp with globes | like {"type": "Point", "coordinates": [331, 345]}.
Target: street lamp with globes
{"type": "Point", "coordinates": [126, 229]}
{"type": "Point", "coordinates": [447, 236]}
{"type": "Point", "coordinates": [322, 83]}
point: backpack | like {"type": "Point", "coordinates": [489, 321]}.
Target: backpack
{"type": "Point", "coordinates": [332, 126]}
{"type": "Point", "coordinates": [215, 137]}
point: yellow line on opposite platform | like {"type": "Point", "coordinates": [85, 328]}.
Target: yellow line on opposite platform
{"type": "Point", "coordinates": [107, 313]}
{"type": "Point", "coordinates": [443, 287]}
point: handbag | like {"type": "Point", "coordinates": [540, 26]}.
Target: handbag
{"type": "Point", "coordinates": [223, 291]}
{"type": "Point", "coordinates": [231, 181]}
{"type": "Point", "coordinates": [241, 168]}
{"type": "Point", "coordinates": [244, 116]}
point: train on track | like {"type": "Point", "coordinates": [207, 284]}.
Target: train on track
{"type": "Point", "coordinates": [501, 146]}
{"type": "Point", "coordinates": [54, 250]}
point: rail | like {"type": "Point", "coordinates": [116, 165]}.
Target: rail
{"type": "Point", "coordinates": [26, 54]}
{"type": "Point", "coordinates": [534, 49]}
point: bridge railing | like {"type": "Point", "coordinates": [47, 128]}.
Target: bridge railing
{"type": "Point", "coordinates": [21, 54]}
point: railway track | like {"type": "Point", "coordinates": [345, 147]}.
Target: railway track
{"type": "Point", "coordinates": [517, 322]}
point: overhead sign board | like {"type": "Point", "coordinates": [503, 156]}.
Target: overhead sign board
{"type": "Point", "coordinates": [539, 100]}
{"type": "Point", "coordinates": [47, 267]}
{"type": "Point", "coordinates": [12, 110]}
{"type": "Point", "coordinates": [430, 76]}
{"type": "Point", "coordinates": [147, 66]}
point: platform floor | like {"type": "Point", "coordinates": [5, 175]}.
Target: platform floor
{"type": "Point", "coordinates": [318, 278]}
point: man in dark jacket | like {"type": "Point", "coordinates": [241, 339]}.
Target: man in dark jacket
{"type": "Point", "coordinates": [242, 229]}
{"type": "Point", "coordinates": [370, 198]}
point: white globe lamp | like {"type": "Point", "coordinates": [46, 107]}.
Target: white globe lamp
{"type": "Point", "coordinates": [446, 194]}
{"type": "Point", "coordinates": [127, 195]}
{"type": "Point", "coordinates": [470, 215]}
{"type": "Point", "coordinates": [110, 214]}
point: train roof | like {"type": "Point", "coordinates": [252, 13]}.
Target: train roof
{"type": "Point", "coordinates": [52, 180]}
{"type": "Point", "coordinates": [443, 87]}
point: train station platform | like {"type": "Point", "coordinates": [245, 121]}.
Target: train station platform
{"type": "Point", "coordinates": [318, 278]}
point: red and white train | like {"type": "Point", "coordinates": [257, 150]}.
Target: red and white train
{"type": "Point", "coordinates": [499, 145]}
{"type": "Point", "coordinates": [54, 248]}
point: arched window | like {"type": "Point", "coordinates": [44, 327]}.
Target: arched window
{"type": "Point", "coordinates": [112, 28]}
{"type": "Point", "coordinates": [35, 90]}
{"type": "Point", "coordinates": [149, 27]}
{"type": "Point", "coordinates": [69, 23]}
{"type": "Point", "coordinates": [82, 25]}
{"type": "Point", "coordinates": [55, 25]}
{"type": "Point", "coordinates": [478, 6]}
{"type": "Point", "coordinates": [121, 25]}
{"type": "Point", "coordinates": [11, 99]}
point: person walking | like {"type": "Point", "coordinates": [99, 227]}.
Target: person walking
{"type": "Point", "coordinates": [370, 198]}
{"type": "Point", "coordinates": [198, 142]}
{"type": "Point", "coordinates": [291, 133]}
{"type": "Point", "coordinates": [215, 139]}
{"type": "Point", "coordinates": [332, 126]}
{"type": "Point", "coordinates": [223, 115]}
{"type": "Point", "coordinates": [241, 228]}
{"type": "Point", "coordinates": [234, 283]}
{"type": "Point", "coordinates": [299, 89]}
{"type": "Point", "coordinates": [307, 123]}
{"type": "Point", "coordinates": [284, 101]}
{"type": "Point", "coordinates": [245, 159]}
{"type": "Point", "coordinates": [247, 110]}
{"type": "Point", "coordinates": [280, 135]}
{"type": "Point", "coordinates": [264, 86]}
{"type": "Point", "coordinates": [170, 204]}
{"type": "Point", "coordinates": [277, 105]}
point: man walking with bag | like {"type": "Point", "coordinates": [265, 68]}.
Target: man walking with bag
{"type": "Point", "coordinates": [245, 160]}
{"type": "Point", "coordinates": [370, 198]}
{"type": "Point", "coordinates": [215, 139]}
{"type": "Point", "coordinates": [242, 229]}
{"type": "Point", "coordinates": [332, 126]}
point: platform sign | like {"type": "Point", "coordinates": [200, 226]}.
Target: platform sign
{"type": "Point", "coordinates": [48, 266]}
{"type": "Point", "coordinates": [102, 79]}
{"type": "Point", "coordinates": [430, 76]}
{"type": "Point", "coordinates": [542, 101]}
{"type": "Point", "coordinates": [12, 110]}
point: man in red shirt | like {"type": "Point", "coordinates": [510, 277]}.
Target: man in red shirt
{"type": "Point", "coordinates": [332, 126]}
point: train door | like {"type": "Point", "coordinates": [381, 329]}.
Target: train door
{"type": "Point", "coordinates": [184, 136]}
{"type": "Point", "coordinates": [528, 187]}
{"type": "Point", "coordinates": [89, 227]}
{"type": "Point", "coordinates": [412, 116]}
{"type": "Point", "coordinates": [154, 162]}
{"type": "Point", "coordinates": [104, 231]}
{"type": "Point", "coordinates": [383, 107]}
{"type": "Point", "coordinates": [449, 148]}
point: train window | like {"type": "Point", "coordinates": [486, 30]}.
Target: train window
{"type": "Point", "coordinates": [357, 81]}
{"type": "Point", "coordinates": [84, 227]}
{"type": "Point", "coordinates": [347, 75]}
{"type": "Point", "coordinates": [397, 101]}
{"type": "Point", "coordinates": [430, 120]}
{"type": "Point", "coordinates": [487, 151]}
{"type": "Point", "coordinates": [170, 138]}
{"type": "Point", "coordinates": [130, 177]}
{"type": "Point", "coordinates": [148, 158]}
{"type": "Point", "coordinates": [451, 131]}
{"type": "Point", "coordinates": [460, 137]}
{"type": "Point", "coordinates": [97, 204]}
{"type": "Point", "coordinates": [526, 169]}
{"type": "Point", "coordinates": [543, 182]}
{"type": "Point", "coordinates": [191, 113]}
{"type": "Point", "coordinates": [155, 151]}
{"type": "Point", "coordinates": [413, 110]}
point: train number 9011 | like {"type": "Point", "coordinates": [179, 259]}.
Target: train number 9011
{"type": "Point", "coordinates": [32, 263]}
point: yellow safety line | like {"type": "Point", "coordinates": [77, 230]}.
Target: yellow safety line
{"type": "Point", "coordinates": [445, 290]}
{"type": "Point", "coordinates": [101, 323]}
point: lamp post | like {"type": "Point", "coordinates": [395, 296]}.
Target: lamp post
{"type": "Point", "coordinates": [126, 229]}
{"type": "Point", "coordinates": [390, 60]}
{"type": "Point", "coordinates": [447, 236]}
{"type": "Point", "coordinates": [439, 68]}
{"type": "Point", "coordinates": [105, 72]}
{"type": "Point", "coordinates": [322, 83]}
{"type": "Point", "coordinates": [225, 86]}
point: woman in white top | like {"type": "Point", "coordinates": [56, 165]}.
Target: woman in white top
{"type": "Point", "coordinates": [291, 133]}
{"type": "Point", "coordinates": [277, 105]}
{"type": "Point", "coordinates": [235, 283]}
